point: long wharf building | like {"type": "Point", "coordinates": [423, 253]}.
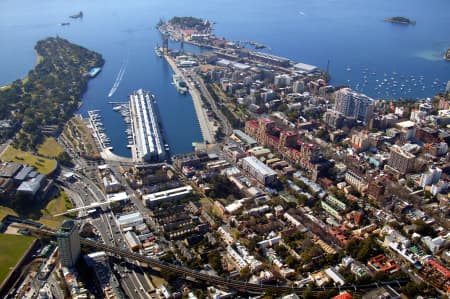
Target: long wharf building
{"type": "Point", "coordinates": [148, 139]}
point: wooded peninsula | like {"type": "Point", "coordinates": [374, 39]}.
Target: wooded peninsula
{"type": "Point", "coordinates": [50, 94]}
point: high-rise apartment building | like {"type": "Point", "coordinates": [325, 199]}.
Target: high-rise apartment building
{"type": "Point", "coordinates": [68, 243]}
{"type": "Point", "coordinates": [432, 176]}
{"type": "Point", "coordinates": [400, 160]}
{"type": "Point", "coordinates": [353, 104]}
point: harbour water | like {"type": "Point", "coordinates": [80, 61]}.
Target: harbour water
{"type": "Point", "coordinates": [351, 34]}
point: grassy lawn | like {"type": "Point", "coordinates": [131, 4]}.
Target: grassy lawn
{"type": "Point", "coordinates": [42, 165]}
{"type": "Point", "coordinates": [4, 211]}
{"type": "Point", "coordinates": [12, 248]}
{"type": "Point", "coordinates": [55, 206]}
{"type": "Point", "coordinates": [50, 148]}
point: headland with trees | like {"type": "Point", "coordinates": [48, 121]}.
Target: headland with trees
{"type": "Point", "coordinates": [50, 94]}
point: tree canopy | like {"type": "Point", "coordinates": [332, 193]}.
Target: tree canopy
{"type": "Point", "coordinates": [51, 92]}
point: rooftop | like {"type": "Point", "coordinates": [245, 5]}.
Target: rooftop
{"type": "Point", "coordinates": [23, 173]}
{"type": "Point", "coordinates": [9, 169]}
{"type": "Point", "coordinates": [32, 185]}
{"type": "Point", "coordinates": [66, 227]}
{"type": "Point", "coordinates": [127, 218]}
{"type": "Point", "coordinates": [259, 166]}
{"type": "Point", "coordinates": [405, 124]}
{"type": "Point", "coordinates": [305, 67]}
{"type": "Point", "coordinates": [244, 137]}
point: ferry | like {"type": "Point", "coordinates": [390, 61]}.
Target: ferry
{"type": "Point", "coordinates": [94, 72]}
{"type": "Point", "coordinates": [77, 16]}
{"type": "Point", "coordinates": [180, 85]}
{"type": "Point", "coordinates": [158, 52]}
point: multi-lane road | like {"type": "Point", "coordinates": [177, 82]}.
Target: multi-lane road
{"type": "Point", "coordinates": [227, 128]}
{"type": "Point", "coordinates": [84, 192]}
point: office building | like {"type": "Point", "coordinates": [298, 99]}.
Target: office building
{"type": "Point", "coordinates": [334, 119]}
{"type": "Point", "coordinates": [129, 220]}
{"type": "Point", "coordinates": [353, 104]}
{"type": "Point", "coordinates": [298, 86]}
{"type": "Point", "coordinates": [282, 80]}
{"type": "Point", "coordinates": [68, 243]}
{"type": "Point", "coordinates": [259, 170]}
{"type": "Point", "coordinates": [361, 141]}
{"type": "Point", "coordinates": [407, 129]}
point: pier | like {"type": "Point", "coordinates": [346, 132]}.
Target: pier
{"type": "Point", "coordinates": [147, 142]}
{"type": "Point", "coordinates": [206, 127]}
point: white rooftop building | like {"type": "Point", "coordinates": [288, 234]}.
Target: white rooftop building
{"type": "Point", "coordinates": [303, 67]}
{"type": "Point", "coordinates": [144, 121]}
{"type": "Point", "coordinates": [259, 170]}
{"type": "Point", "coordinates": [120, 196]}
{"type": "Point", "coordinates": [171, 194]}
{"type": "Point", "coordinates": [335, 276]}
{"type": "Point", "coordinates": [234, 206]}
{"type": "Point", "coordinates": [129, 220]}
{"type": "Point", "coordinates": [132, 240]}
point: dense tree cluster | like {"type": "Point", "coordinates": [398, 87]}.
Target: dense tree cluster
{"type": "Point", "coordinates": [52, 90]}
{"type": "Point", "coordinates": [365, 249]}
{"type": "Point", "coordinates": [221, 187]}
{"type": "Point", "coordinates": [189, 22]}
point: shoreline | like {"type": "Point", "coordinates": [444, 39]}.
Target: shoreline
{"type": "Point", "coordinates": [39, 58]}
{"type": "Point", "coordinates": [206, 128]}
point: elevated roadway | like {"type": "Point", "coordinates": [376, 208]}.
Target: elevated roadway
{"type": "Point", "coordinates": [92, 206]}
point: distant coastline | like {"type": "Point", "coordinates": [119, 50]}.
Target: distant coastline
{"type": "Point", "coordinates": [400, 20]}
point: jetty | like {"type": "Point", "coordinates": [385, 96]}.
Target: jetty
{"type": "Point", "coordinates": [102, 142]}
{"type": "Point", "coordinates": [96, 125]}
{"type": "Point", "coordinates": [205, 127]}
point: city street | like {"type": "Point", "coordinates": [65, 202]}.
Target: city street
{"type": "Point", "coordinates": [84, 192]}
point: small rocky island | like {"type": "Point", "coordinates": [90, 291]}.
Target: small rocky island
{"type": "Point", "coordinates": [447, 55]}
{"type": "Point", "coordinates": [400, 20]}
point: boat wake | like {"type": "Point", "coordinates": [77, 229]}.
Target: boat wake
{"type": "Point", "coordinates": [118, 78]}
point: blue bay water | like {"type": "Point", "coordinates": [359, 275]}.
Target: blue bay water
{"type": "Point", "coordinates": [351, 34]}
